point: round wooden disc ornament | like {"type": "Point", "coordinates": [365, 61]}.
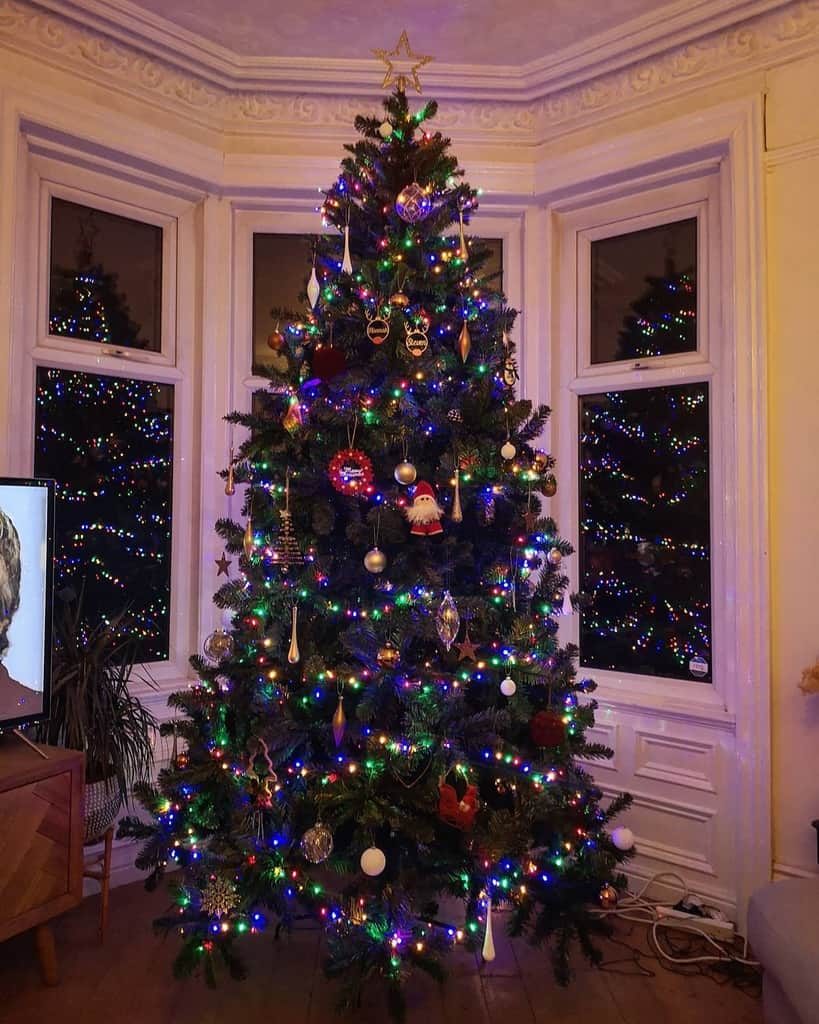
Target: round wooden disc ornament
{"type": "Point", "coordinates": [351, 472]}
{"type": "Point", "coordinates": [378, 329]}
{"type": "Point", "coordinates": [416, 341]}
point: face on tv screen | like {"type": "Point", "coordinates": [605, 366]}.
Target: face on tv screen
{"type": "Point", "coordinates": [26, 553]}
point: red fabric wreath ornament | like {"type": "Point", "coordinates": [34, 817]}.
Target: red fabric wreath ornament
{"type": "Point", "coordinates": [459, 813]}
{"type": "Point", "coordinates": [351, 472]}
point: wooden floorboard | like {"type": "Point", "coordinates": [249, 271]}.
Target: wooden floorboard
{"type": "Point", "coordinates": [128, 981]}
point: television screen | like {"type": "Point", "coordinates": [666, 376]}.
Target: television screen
{"type": "Point", "coordinates": [26, 593]}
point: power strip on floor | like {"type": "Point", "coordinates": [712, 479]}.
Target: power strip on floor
{"type": "Point", "coordinates": [671, 918]}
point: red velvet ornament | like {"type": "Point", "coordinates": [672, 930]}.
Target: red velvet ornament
{"type": "Point", "coordinates": [351, 472]}
{"type": "Point", "coordinates": [547, 729]}
{"type": "Point", "coordinates": [329, 362]}
{"type": "Point", "coordinates": [460, 814]}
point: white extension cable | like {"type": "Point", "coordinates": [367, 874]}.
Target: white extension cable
{"type": "Point", "coordinates": [639, 908]}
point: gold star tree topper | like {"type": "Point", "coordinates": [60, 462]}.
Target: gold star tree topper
{"type": "Point", "coordinates": [402, 65]}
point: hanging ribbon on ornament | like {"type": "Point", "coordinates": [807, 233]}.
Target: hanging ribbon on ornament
{"type": "Point", "coordinates": [513, 573]}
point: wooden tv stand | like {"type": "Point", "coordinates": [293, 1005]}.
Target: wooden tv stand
{"type": "Point", "coordinates": [41, 831]}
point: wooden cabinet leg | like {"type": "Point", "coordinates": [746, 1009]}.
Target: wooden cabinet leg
{"type": "Point", "coordinates": [105, 882]}
{"type": "Point", "coordinates": [47, 953]}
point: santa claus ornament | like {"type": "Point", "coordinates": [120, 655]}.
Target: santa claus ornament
{"type": "Point", "coordinates": [458, 813]}
{"type": "Point", "coordinates": [424, 513]}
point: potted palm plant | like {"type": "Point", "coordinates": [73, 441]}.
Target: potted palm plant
{"type": "Point", "coordinates": [93, 710]}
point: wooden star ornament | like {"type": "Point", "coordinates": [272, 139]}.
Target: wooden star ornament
{"type": "Point", "coordinates": [467, 649]}
{"type": "Point", "coordinates": [222, 565]}
{"type": "Point", "coordinates": [402, 65]}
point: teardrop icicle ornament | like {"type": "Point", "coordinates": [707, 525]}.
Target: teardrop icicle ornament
{"type": "Point", "coordinates": [464, 342]}
{"type": "Point", "coordinates": [347, 263]}
{"type": "Point", "coordinates": [294, 654]}
{"type": "Point", "coordinates": [248, 541]}
{"type": "Point", "coordinates": [488, 951]}
{"type": "Point", "coordinates": [230, 485]}
{"type": "Point", "coordinates": [457, 511]}
{"type": "Point", "coordinates": [313, 288]}
{"type": "Point", "coordinates": [447, 620]}
{"type": "Point", "coordinates": [462, 249]}
{"type": "Point", "coordinates": [567, 608]}
{"type": "Point", "coordinates": [339, 721]}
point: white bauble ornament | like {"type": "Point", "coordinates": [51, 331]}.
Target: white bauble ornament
{"type": "Point", "coordinates": [375, 560]}
{"type": "Point", "coordinates": [508, 451]}
{"type": "Point", "coordinates": [373, 861]}
{"type": "Point", "coordinates": [385, 129]}
{"type": "Point", "coordinates": [623, 838]}
{"type": "Point", "coordinates": [508, 687]}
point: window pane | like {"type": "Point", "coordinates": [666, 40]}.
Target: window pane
{"type": "Point", "coordinates": [645, 531]}
{"type": "Point", "coordinates": [107, 441]}
{"type": "Point", "coordinates": [643, 293]}
{"type": "Point", "coordinates": [281, 266]}
{"type": "Point", "coordinates": [106, 278]}
{"type": "Point", "coordinates": [494, 262]}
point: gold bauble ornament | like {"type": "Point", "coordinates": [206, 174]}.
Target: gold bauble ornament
{"type": "Point", "coordinates": [608, 897]}
{"type": "Point", "coordinates": [218, 646]}
{"type": "Point", "coordinates": [375, 560]}
{"type": "Point", "coordinates": [508, 451]}
{"type": "Point", "coordinates": [317, 843]}
{"type": "Point", "coordinates": [276, 340]}
{"type": "Point", "coordinates": [388, 656]}
{"type": "Point", "coordinates": [399, 299]}
{"type": "Point", "coordinates": [405, 473]}
{"type": "Point", "coordinates": [385, 130]}
{"type": "Point", "coordinates": [555, 556]}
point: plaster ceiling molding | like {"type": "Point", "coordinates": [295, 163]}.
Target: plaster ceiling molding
{"type": "Point", "coordinates": [121, 46]}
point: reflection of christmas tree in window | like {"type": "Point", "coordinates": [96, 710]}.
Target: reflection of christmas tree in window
{"type": "Point", "coordinates": [663, 321]}
{"type": "Point", "coordinates": [85, 302]}
{"type": "Point", "coordinates": [645, 525]}
{"type": "Point", "coordinates": [107, 442]}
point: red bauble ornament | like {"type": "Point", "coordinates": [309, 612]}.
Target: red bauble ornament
{"type": "Point", "coordinates": [547, 729]}
{"type": "Point", "coordinates": [459, 813]}
{"type": "Point", "coordinates": [351, 472]}
{"type": "Point", "coordinates": [329, 362]}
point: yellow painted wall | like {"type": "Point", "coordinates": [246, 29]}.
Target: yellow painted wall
{"type": "Point", "coordinates": [792, 193]}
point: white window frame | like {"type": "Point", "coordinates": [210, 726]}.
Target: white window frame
{"type": "Point", "coordinates": [47, 169]}
{"type": "Point", "coordinates": [725, 139]}
{"type": "Point", "coordinates": [99, 200]}
{"type": "Point", "coordinates": [698, 197]}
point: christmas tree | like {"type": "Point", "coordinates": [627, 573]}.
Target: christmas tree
{"type": "Point", "coordinates": [392, 702]}
{"type": "Point", "coordinates": [645, 563]}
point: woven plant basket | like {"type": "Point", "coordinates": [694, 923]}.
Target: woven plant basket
{"type": "Point", "coordinates": [102, 803]}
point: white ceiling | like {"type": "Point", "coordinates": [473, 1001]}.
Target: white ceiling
{"type": "Point", "coordinates": [476, 32]}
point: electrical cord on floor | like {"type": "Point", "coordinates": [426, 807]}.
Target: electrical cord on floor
{"type": "Point", "coordinates": [683, 948]}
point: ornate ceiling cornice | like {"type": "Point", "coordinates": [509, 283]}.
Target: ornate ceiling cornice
{"type": "Point", "coordinates": [206, 84]}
